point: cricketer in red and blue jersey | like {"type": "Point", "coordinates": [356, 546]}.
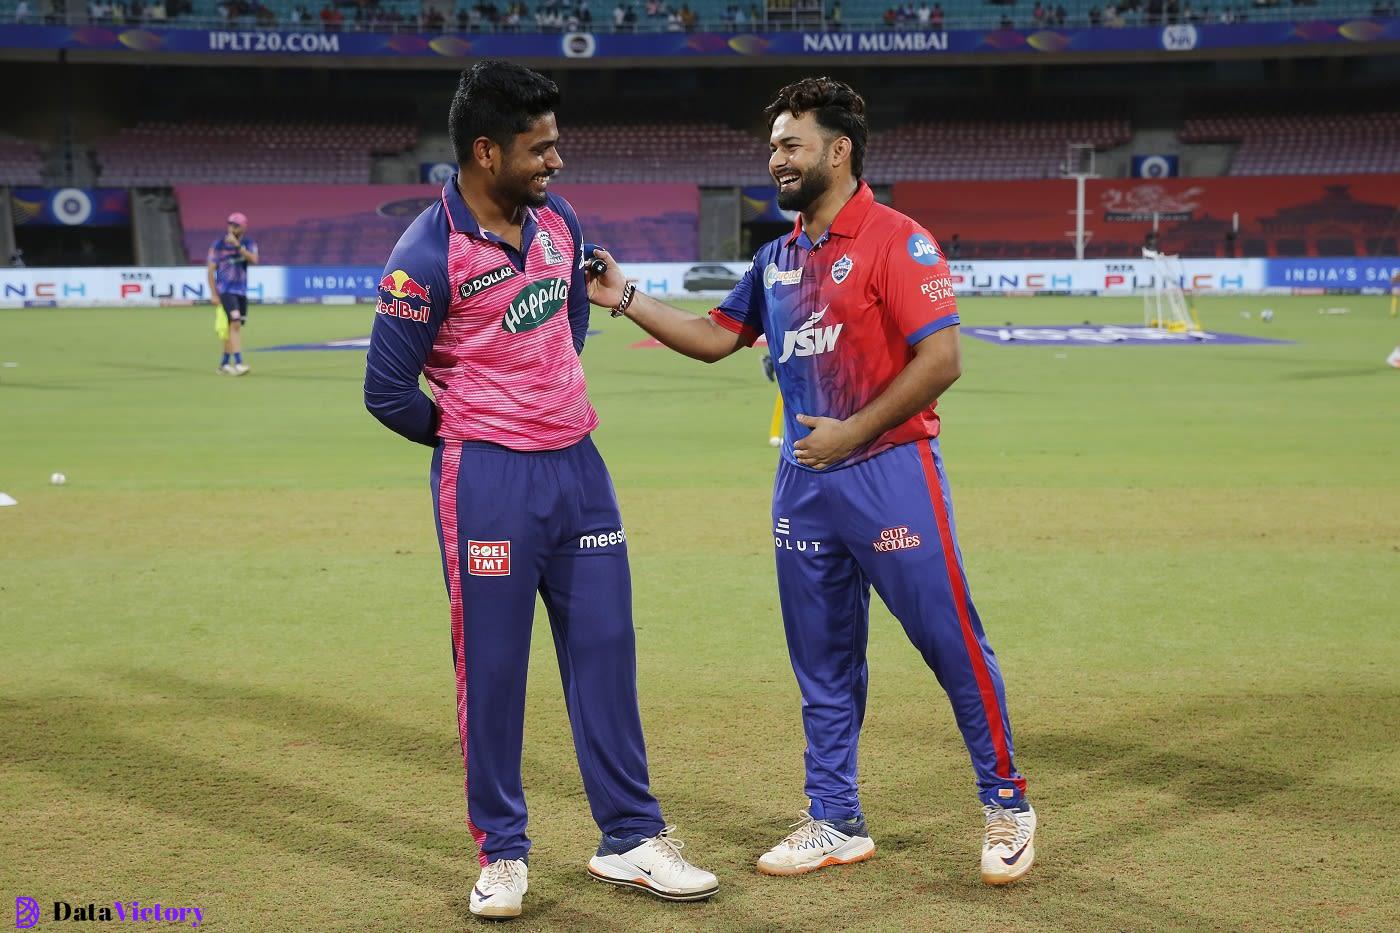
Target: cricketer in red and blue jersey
{"type": "Point", "coordinates": [858, 310]}
{"type": "Point", "coordinates": [492, 307]}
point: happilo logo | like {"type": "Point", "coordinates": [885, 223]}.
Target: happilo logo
{"type": "Point", "coordinates": [809, 339]}
{"type": "Point", "coordinates": [488, 558]}
{"type": "Point", "coordinates": [534, 305]}
{"type": "Point", "coordinates": [898, 538]}
{"type": "Point", "coordinates": [26, 913]}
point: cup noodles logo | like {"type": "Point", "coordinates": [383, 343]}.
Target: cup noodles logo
{"type": "Point", "coordinates": [898, 538]}
{"type": "Point", "coordinates": [488, 558]}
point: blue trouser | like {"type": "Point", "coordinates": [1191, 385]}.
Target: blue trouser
{"type": "Point", "coordinates": [886, 521]}
{"type": "Point", "coordinates": [513, 524]}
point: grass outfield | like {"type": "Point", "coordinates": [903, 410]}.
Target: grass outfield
{"type": "Point", "coordinates": [227, 681]}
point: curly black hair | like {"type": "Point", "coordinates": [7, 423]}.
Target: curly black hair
{"type": "Point", "coordinates": [499, 100]}
{"type": "Point", "coordinates": [836, 106]}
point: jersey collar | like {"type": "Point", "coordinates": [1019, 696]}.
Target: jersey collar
{"type": "Point", "coordinates": [848, 218]}
{"type": "Point", "coordinates": [461, 219]}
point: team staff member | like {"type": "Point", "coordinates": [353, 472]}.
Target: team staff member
{"type": "Point", "coordinates": [229, 259]}
{"type": "Point", "coordinates": [485, 294]}
{"type": "Point", "coordinates": [858, 308]}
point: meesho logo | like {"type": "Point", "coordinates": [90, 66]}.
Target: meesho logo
{"type": "Point", "coordinates": [28, 914]}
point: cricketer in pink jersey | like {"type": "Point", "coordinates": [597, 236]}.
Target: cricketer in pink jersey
{"type": "Point", "coordinates": [486, 295]}
{"type": "Point", "coordinates": [860, 317]}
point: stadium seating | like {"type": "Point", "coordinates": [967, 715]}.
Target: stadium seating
{"type": "Point", "coordinates": [20, 162]}
{"type": "Point", "coordinates": [1304, 144]}
{"type": "Point", "coordinates": [712, 154]}
{"type": "Point", "coordinates": [248, 153]}
{"type": "Point", "coordinates": [403, 15]}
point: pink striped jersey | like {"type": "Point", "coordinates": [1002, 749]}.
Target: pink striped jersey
{"type": "Point", "coordinates": [482, 321]}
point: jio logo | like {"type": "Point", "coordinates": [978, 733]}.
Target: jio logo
{"type": "Point", "coordinates": [922, 250]}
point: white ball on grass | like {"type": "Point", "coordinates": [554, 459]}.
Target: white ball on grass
{"type": "Point", "coordinates": [58, 479]}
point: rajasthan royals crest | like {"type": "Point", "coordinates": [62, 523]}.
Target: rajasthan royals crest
{"type": "Point", "coordinates": [552, 256]}
{"type": "Point", "coordinates": [840, 269]}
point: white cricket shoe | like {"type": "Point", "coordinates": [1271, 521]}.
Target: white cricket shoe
{"type": "Point", "coordinates": [240, 369]}
{"type": "Point", "coordinates": [655, 866]}
{"type": "Point", "coordinates": [1394, 359]}
{"type": "Point", "coordinates": [498, 891]}
{"type": "Point", "coordinates": [226, 369]}
{"type": "Point", "coordinates": [816, 844]}
{"type": "Point", "coordinates": [1008, 851]}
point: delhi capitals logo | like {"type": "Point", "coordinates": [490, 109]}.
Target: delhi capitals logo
{"type": "Point", "coordinates": [840, 269]}
{"type": "Point", "coordinates": [922, 250]}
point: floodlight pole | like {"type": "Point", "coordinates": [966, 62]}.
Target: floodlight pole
{"type": "Point", "coordinates": [1079, 165]}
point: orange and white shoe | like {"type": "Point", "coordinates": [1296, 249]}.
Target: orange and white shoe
{"type": "Point", "coordinates": [817, 844]}
{"type": "Point", "coordinates": [1008, 851]}
{"type": "Point", "coordinates": [653, 865]}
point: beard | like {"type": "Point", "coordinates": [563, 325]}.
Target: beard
{"type": "Point", "coordinates": [811, 185]}
{"type": "Point", "coordinates": [520, 189]}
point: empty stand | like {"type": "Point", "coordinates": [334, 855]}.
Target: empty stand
{"type": "Point", "coordinates": [1304, 144]}
{"type": "Point", "coordinates": [20, 162]}
{"type": "Point", "coordinates": [247, 153]}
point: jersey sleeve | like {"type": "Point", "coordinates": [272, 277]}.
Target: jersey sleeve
{"type": "Point", "coordinates": [741, 312]}
{"type": "Point", "coordinates": [405, 327]}
{"type": "Point", "coordinates": [916, 287]}
{"type": "Point", "coordinates": [251, 245]}
{"type": "Point", "coordinates": [579, 308]}
{"type": "Point", "coordinates": [213, 257]}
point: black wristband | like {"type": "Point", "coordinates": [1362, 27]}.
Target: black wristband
{"type": "Point", "coordinates": [628, 293]}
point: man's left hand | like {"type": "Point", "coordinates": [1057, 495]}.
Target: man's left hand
{"type": "Point", "coordinates": [831, 441]}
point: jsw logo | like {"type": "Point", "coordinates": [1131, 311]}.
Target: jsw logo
{"type": "Point", "coordinates": [809, 339]}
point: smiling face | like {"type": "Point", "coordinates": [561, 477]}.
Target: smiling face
{"type": "Point", "coordinates": [804, 160]}
{"type": "Point", "coordinates": [527, 164]}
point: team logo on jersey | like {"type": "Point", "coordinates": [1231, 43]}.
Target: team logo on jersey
{"type": "Point", "coordinates": [775, 276]}
{"type": "Point", "coordinates": [922, 250]}
{"type": "Point", "coordinates": [898, 538]}
{"type": "Point", "coordinates": [809, 339]}
{"type": "Point", "coordinates": [534, 305]}
{"type": "Point", "coordinates": [479, 283]}
{"type": "Point", "coordinates": [488, 558]}
{"type": "Point", "coordinates": [552, 256]}
{"type": "Point", "coordinates": [401, 296]}
{"type": "Point", "coordinates": [840, 269]}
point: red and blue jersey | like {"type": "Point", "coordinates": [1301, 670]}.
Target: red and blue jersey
{"type": "Point", "coordinates": [842, 315]}
{"type": "Point", "coordinates": [230, 268]}
{"type": "Point", "coordinates": [481, 319]}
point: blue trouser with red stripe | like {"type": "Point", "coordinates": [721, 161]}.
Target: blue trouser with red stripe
{"type": "Point", "coordinates": [511, 525]}
{"type": "Point", "coordinates": [886, 522]}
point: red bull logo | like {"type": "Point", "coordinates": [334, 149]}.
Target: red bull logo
{"type": "Point", "coordinates": [402, 285]}
{"type": "Point", "coordinates": [401, 296]}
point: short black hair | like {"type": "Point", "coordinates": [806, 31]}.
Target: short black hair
{"type": "Point", "coordinates": [836, 106]}
{"type": "Point", "coordinates": [499, 100]}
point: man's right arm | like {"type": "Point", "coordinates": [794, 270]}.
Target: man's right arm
{"type": "Point", "coordinates": [700, 338]}
{"type": "Point", "coordinates": [405, 328]}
